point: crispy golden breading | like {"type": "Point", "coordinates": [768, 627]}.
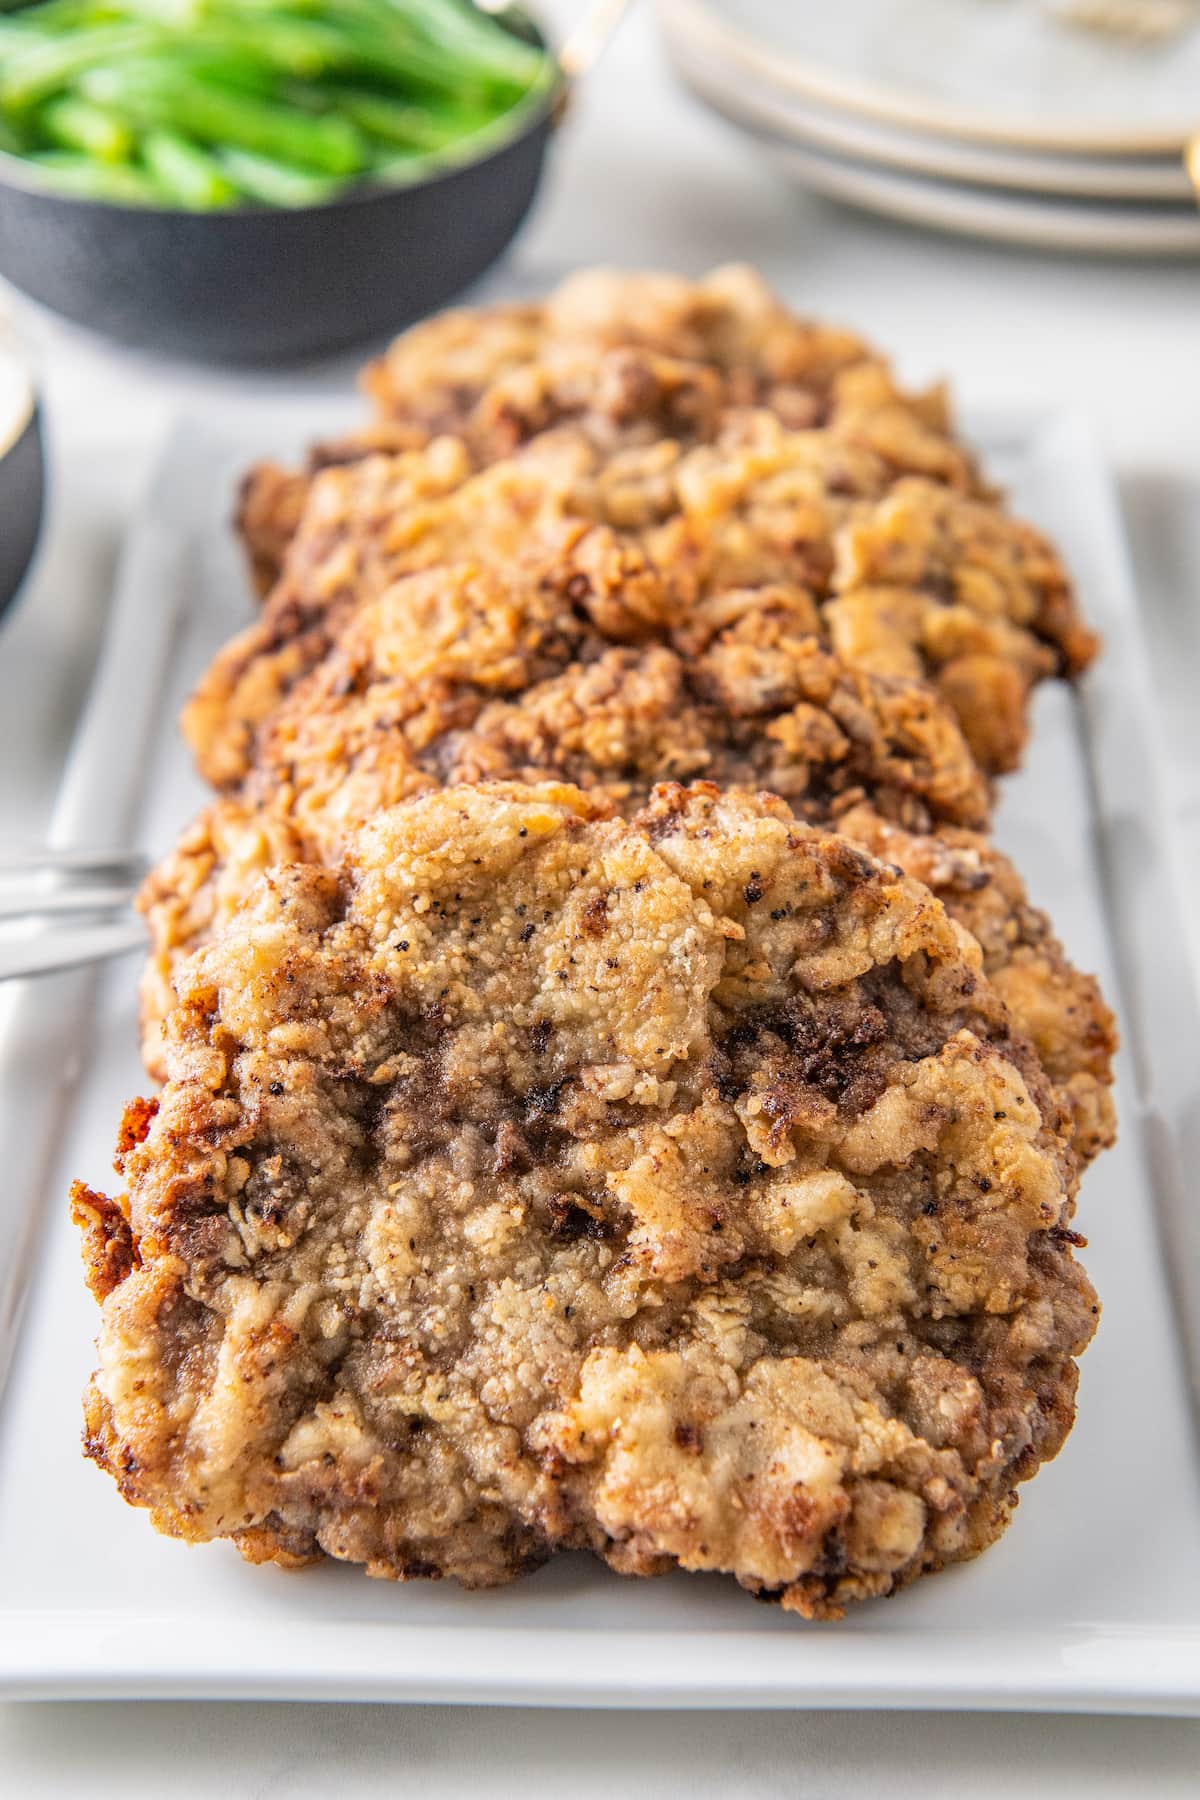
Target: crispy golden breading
{"type": "Point", "coordinates": [1059, 1008]}
{"type": "Point", "coordinates": [451, 677]}
{"type": "Point", "coordinates": [271, 503]}
{"type": "Point", "coordinates": [471, 678]}
{"type": "Point", "coordinates": [630, 358]}
{"type": "Point", "coordinates": [342, 554]}
{"type": "Point", "coordinates": [476, 371]}
{"type": "Point", "coordinates": [674, 1189]}
{"type": "Point", "coordinates": [635, 358]}
{"type": "Point", "coordinates": [206, 878]}
{"type": "Point", "coordinates": [455, 676]}
{"type": "Point", "coordinates": [643, 363]}
{"type": "Point", "coordinates": [906, 576]}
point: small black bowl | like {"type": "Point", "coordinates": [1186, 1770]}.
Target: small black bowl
{"type": "Point", "coordinates": [22, 497]}
{"type": "Point", "coordinates": [265, 286]}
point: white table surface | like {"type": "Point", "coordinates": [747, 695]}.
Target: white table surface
{"type": "Point", "coordinates": [642, 178]}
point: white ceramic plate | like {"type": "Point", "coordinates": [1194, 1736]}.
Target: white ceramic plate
{"type": "Point", "coordinates": [1003, 218]}
{"type": "Point", "coordinates": [774, 111]}
{"type": "Point", "coordinates": [1090, 1602]}
{"type": "Point", "coordinates": [1061, 225]}
{"type": "Point", "coordinates": [1003, 71]}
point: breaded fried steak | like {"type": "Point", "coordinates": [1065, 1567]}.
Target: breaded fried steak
{"type": "Point", "coordinates": [630, 358]}
{"type": "Point", "coordinates": [498, 375]}
{"type": "Point", "coordinates": [674, 1188]}
{"type": "Point", "coordinates": [902, 574]}
{"type": "Point", "coordinates": [455, 676]}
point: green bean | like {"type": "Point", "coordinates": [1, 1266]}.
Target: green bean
{"type": "Point", "coordinates": [187, 174]}
{"type": "Point", "coordinates": [32, 73]}
{"type": "Point", "coordinates": [82, 179]}
{"type": "Point", "coordinates": [465, 32]}
{"type": "Point", "coordinates": [308, 48]}
{"type": "Point", "coordinates": [54, 16]}
{"type": "Point", "coordinates": [387, 49]}
{"type": "Point", "coordinates": [221, 63]}
{"type": "Point", "coordinates": [274, 183]}
{"type": "Point", "coordinates": [390, 170]}
{"type": "Point", "coordinates": [468, 45]}
{"type": "Point", "coordinates": [398, 122]}
{"type": "Point", "coordinates": [156, 97]}
{"type": "Point", "coordinates": [81, 125]}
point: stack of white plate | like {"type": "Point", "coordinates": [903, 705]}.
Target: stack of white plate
{"type": "Point", "coordinates": [1059, 123]}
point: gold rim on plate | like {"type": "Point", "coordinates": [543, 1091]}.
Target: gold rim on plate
{"type": "Point", "coordinates": [892, 106]}
{"type": "Point", "coordinates": [885, 147]}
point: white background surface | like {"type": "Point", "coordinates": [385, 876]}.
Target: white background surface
{"type": "Point", "coordinates": [642, 178]}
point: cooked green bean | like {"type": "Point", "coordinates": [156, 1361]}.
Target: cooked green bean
{"type": "Point", "coordinates": [156, 96]}
{"type": "Point", "coordinates": [462, 30]}
{"type": "Point", "coordinates": [274, 183]}
{"type": "Point", "coordinates": [45, 66]}
{"type": "Point", "coordinates": [83, 179]}
{"type": "Point", "coordinates": [191, 177]}
{"type": "Point", "coordinates": [79, 124]}
{"type": "Point", "coordinates": [399, 122]}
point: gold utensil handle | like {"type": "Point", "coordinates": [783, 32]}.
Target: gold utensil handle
{"type": "Point", "coordinates": [1191, 162]}
{"type": "Point", "coordinates": [587, 43]}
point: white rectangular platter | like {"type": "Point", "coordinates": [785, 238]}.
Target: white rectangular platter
{"type": "Point", "coordinates": [1092, 1600]}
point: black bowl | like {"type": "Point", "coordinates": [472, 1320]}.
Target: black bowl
{"type": "Point", "coordinates": [22, 497]}
{"type": "Point", "coordinates": [264, 286]}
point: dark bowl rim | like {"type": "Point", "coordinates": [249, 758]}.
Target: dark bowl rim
{"type": "Point", "coordinates": [535, 108]}
{"type": "Point", "coordinates": [23, 420]}
{"type": "Point", "coordinates": [31, 478]}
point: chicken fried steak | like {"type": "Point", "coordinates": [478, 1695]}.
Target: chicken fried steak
{"type": "Point", "coordinates": [675, 1189]}
{"type": "Point", "coordinates": [903, 575]}
{"type": "Point", "coordinates": [455, 676]}
{"type": "Point", "coordinates": [630, 357]}
{"type": "Point", "coordinates": [480, 373]}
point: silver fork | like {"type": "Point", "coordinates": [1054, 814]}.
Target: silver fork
{"type": "Point", "coordinates": [62, 908]}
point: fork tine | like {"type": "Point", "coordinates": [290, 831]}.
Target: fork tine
{"type": "Point", "coordinates": [90, 898]}
{"type": "Point", "coordinates": [54, 950]}
{"type": "Point", "coordinates": [28, 860]}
